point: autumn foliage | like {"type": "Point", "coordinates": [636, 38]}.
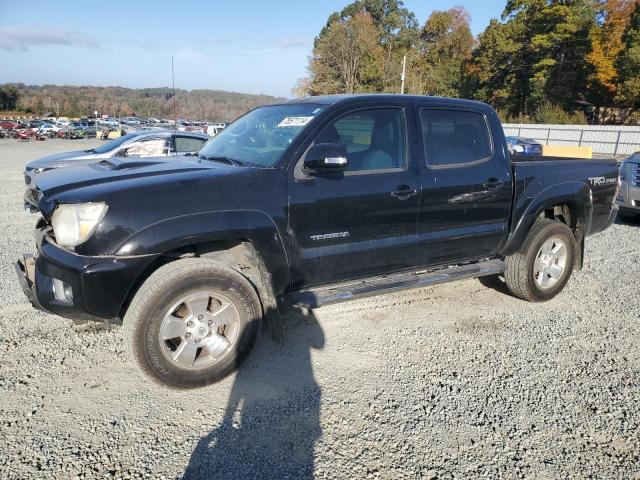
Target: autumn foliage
{"type": "Point", "coordinates": [541, 54]}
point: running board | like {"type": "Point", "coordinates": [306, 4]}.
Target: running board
{"type": "Point", "coordinates": [367, 287]}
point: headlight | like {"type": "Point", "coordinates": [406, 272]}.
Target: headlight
{"type": "Point", "coordinates": [75, 223]}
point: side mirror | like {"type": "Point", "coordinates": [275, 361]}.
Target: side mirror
{"type": "Point", "coordinates": [326, 158]}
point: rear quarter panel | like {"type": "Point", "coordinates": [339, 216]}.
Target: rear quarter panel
{"type": "Point", "coordinates": [545, 181]}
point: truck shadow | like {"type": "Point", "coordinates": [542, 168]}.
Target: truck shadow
{"type": "Point", "coordinates": [272, 418]}
{"type": "Point", "coordinates": [495, 282]}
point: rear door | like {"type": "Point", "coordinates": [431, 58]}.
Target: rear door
{"type": "Point", "coordinates": [361, 222]}
{"type": "Point", "coordinates": [466, 190]}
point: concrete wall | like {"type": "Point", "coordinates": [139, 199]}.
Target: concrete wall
{"type": "Point", "coordinates": [603, 139]}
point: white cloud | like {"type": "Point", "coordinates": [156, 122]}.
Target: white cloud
{"type": "Point", "coordinates": [291, 42]}
{"type": "Point", "coordinates": [23, 38]}
{"type": "Point", "coordinates": [190, 54]}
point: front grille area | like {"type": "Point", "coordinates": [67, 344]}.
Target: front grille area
{"type": "Point", "coordinates": [27, 179]}
{"type": "Point", "coordinates": [635, 174]}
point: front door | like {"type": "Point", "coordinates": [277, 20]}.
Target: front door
{"type": "Point", "coordinates": [361, 222]}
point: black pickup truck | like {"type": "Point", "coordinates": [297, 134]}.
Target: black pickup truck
{"type": "Point", "coordinates": [310, 202]}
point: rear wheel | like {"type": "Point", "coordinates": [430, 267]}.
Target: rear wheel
{"type": "Point", "coordinates": [192, 322]}
{"type": "Point", "coordinates": [541, 268]}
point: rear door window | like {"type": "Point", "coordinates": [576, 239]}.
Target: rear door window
{"type": "Point", "coordinates": [454, 137]}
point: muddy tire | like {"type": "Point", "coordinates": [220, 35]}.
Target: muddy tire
{"type": "Point", "coordinates": [541, 268]}
{"type": "Point", "coordinates": [192, 323]}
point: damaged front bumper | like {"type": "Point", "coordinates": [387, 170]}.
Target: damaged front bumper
{"type": "Point", "coordinates": [78, 287]}
{"type": "Point", "coordinates": [26, 272]}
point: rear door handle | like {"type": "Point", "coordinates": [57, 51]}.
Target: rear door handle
{"type": "Point", "coordinates": [492, 183]}
{"type": "Point", "coordinates": [403, 192]}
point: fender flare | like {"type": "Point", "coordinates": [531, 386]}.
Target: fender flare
{"type": "Point", "coordinates": [568, 192]}
{"type": "Point", "coordinates": [219, 225]}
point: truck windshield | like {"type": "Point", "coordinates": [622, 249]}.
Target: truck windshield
{"type": "Point", "coordinates": [260, 137]}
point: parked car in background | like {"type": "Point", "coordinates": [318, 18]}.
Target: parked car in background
{"type": "Point", "coordinates": [149, 143]}
{"type": "Point", "coordinates": [89, 128]}
{"type": "Point", "coordinates": [35, 124]}
{"type": "Point", "coordinates": [629, 196]}
{"type": "Point", "coordinates": [108, 122]}
{"type": "Point", "coordinates": [46, 128]}
{"type": "Point", "coordinates": [215, 129]}
{"type": "Point", "coordinates": [9, 125]}
{"type": "Point", "coordinates": [523, 146]}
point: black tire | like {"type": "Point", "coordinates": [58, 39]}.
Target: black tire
{"type": "Point", "coordinates": [164, 288]}
{"type": "Point", "coordinates": [520, 272]}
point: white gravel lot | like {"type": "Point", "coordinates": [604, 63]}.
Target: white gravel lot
{"type": "Point", "coordinates": [457, 380]}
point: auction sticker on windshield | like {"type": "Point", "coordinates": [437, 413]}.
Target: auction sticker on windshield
{"type": "Point", "coordinates": [294, 122]}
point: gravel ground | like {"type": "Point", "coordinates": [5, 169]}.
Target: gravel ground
{"type": "Point", "coordinates": [457, 380]}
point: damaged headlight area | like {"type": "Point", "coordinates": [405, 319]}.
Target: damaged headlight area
{"type": "Point", "coordinates": [73, 224]}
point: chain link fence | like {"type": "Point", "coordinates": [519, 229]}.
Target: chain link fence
{"type": "Point", "coordinates": [607, 140]}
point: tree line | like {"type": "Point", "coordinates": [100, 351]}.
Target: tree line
{"type": "Point", "coordinates": [543, 59]}
{"type": "Point", "coordinates": [77, 101]}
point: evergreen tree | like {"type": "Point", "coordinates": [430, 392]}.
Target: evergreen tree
{"type": "Point", "coordinates": [628, 63]}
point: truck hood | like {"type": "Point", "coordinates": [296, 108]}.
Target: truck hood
{"type": "Point", "coordinates": [51, 183]}
{"type": "Point", "coordinates": [58, 160]}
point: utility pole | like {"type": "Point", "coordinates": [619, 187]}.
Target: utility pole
{"type": "Point", "coordinates": [173, 88]}
{"type": "Point", "coordinates": [404, 68]}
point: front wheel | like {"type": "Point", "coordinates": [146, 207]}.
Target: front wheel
{"type": "Point", "coordinates": [541, 268]}
{"type": "Point", "coordinates": [191, 323]}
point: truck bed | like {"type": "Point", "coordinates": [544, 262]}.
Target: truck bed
{"type": "Point", "coordinates": [553, 176]}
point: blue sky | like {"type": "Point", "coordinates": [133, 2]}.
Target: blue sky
{"type": "Point", "coordinates": [248, 46]}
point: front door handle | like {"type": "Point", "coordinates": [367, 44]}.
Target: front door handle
{"type": "Point", "coordinates": [403, 192]}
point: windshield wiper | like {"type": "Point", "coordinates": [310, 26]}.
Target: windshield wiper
{"type": "Point", "coordinates": [91, 150]}
{"type": "Point", "coordinates": [223, 159]}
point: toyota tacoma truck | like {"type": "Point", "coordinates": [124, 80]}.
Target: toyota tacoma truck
{"type": "Point", "coordinates": [311, 202]}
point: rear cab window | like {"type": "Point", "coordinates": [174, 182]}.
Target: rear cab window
{"type": "Point", "coordinates": [454, 138]}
